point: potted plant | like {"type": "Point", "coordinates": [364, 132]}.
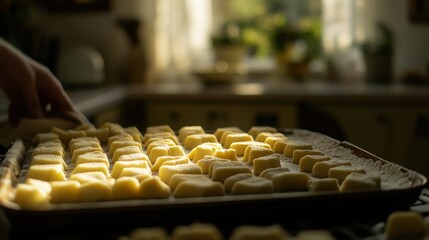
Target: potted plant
{"type": "Point", "coordinates": [295, 46]}
{"type": "Point", "coordinates": [229, 46]}
{"type": "Point", "coordinates": [378, 54]}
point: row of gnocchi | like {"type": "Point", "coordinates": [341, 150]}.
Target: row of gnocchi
{"type": "Point", "coordinates": [159, 164]}
{"type": "Point", "coordinates": [398, 225]}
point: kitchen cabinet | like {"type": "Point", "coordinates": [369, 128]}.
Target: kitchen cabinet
{"type": "Point", "coordinates": [212, 115]}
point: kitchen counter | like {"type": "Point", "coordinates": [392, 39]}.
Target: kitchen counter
{"type": "Point", "coordinates": [312, 91]}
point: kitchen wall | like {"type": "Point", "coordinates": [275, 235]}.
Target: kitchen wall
{"type": "Point", "coordinates": [100, 30]}
{"type": "Point", "coordinates": [411, 49]}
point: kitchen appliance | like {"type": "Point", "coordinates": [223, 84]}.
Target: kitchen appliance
{"type": "Point", "coordinates": [80, 66]}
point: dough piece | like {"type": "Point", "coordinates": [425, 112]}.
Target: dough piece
{"type": "Point", "coordinates": [314, 234]}
{"type": "Point", "coordinates": [76, 153]}
{"type": "Point", "coordinates": [165, 172]}
{"type": "Point", "coordinates": [102, 134]}
{"type": "Point", "coordinates": [138, 173]}
{"type": "Point", "coordinates": [359, 181]}
{"type": "Point", "coordinates": [91, 167]}
{"type": "Point", "coordinates": [65, 191]}
{"type": "Point", "coordinates": [280, 145]}
{"type": "Point", "coordinates": [236, 137]}
{"type": "Point", "coordinates": [252, 185]}
{"type": "Point", "coordinates": [47, 172]}
{"type": "Point", "coordinates": [45, 186]}
{"type": "Point", "coordinates": [114, 128]}
{"type": "Point", "coordinates": [240, 147]}
{"type": "Point", "coordinates": [273, 139]}
{"type": "Point", "coordinates": [135, 133]}
{"type": "Point", "coordinates": [160, 135]}
{"type": "Point", "coordinates": [48, 159]}
{"type": "Point", "coordinates": [200, 151]}
{"type": "Point", "coordinates": [177, 178]}
{"type": "Point", "coordinates": [292, 146]}
{"type": "Point", "coordinates": [89, 157]}
{"type": "Point", "coordinates": [45, 137]}
{"type": "Point", "coordinates": [169, 160]}
{"type": "Point", "coordinates": [82, 141]}
{"type": "Point", "coordinates": [155, 139]}
{"type": "Point", "coordinates": [321, 169]}
{"type": "Point", "coordinates": [290, 181]}
{"type": "Point", "coordinates": [204, 231]}
{"type": "Point", "coordinates": [54, 150]}
{"type": "Point", "coordinates": [262, 136]}
{"type": "Point", "coordinates": [29, 196]}
{"type": "Point", "coordinates": [255, 130]}
{"type": "Point", "coordinates": [53, 143]}
{"type": "Point", "coordinates": [219, 171]}
{"type": "Point", "coordinates": [121, 136]}
{"type": "Point", "coordinates": [307, 162]}
{"type": "Point", "coordinates": [84, 126]}
{"type": "Point", "coordinates": [125, 151]}
{"type": "Point", "coordinates": [271, 172]}
{"type": "Point", "coordinates": [126, 188]}
{"type": "Point", "coordinates": [220, 131]}
{"type": "Point", "coordinates": [323, 184]}
{"type": "Point", "coordinates": [207, 161]}
{"type": "Point", "coordinates": [160, 151]}
{"type": "Point", "coordinates": [252, 153]}
{"type": "Point", "coordinates": [120, 165]}
{"type": "Point", "coordinates": [153, 187]}
{"type": "Point", "coordinates": [193, 188]}
{"type": "Point", "coordinates": [341, 172]}
{"type": "Point", "coordinates": [405, 225]}
{"type": "Point", "coordinates": [229, 182]}
{"type": "Point", "coordinates": [189, 130]}
{"type": "Point", "coordinates": [88, 177]}
{"type": "Point", "coordinates": [93, 191]}
{"type": "Point", "coordinates": [123, 143]}
{"type": "Point", "coordinates": [224, 136]}
{"type": "Point", "coordinates": [159, 128]}
{"type": "Point", "coordinates": [149, 233]}
{"type": "Point", "coordinates": [272, 232]}
{"type": "Point", "coordinates": [194, 140]}
{"type": "Point", "coordinates": [265, 162]}
{"type": "Point", "coordinates": [134, 156]}
{"type": "Point", "coordinates": [66, 135]}
{"type": "Point", "coordinates": [159, 142]}
{"type": "Point", "coordinates": [83, 144]}
{"type": "Point", "coordinates": [226, 154]}
{"type": "Point", "coordinates": [299, 153]}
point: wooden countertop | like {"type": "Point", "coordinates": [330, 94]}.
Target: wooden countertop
{"type": "Point", "coordinates": [278, 91]}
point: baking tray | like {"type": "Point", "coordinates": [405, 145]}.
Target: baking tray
{"type": "Point", "coordinates": [225, 210]}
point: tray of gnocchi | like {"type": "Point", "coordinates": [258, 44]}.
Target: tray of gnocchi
{"type": "Point", "coordinates": [123, 173]}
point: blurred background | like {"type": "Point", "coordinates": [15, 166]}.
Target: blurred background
{"type": "Point", "coordinates": [356, 70]}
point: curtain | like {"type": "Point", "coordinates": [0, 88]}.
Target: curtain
{"type": "Point", "coordinates": [181, 35]}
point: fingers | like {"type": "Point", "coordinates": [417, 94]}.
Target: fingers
{"type": "Point", "coordinates": [51, 90]}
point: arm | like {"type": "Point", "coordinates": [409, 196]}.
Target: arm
{"type": "Point", "coordinates": [32, 89]}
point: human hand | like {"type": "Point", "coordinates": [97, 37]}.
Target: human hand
{"type": "Point", "coordinates": [32, 89]}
